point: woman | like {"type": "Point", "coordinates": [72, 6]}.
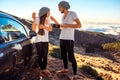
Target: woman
{"type": "Point", "coordinates": [41, 25]}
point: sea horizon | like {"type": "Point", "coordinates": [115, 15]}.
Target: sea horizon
{"type": "Point", "coordinates": [106, 28]}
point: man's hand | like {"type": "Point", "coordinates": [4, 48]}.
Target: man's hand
{"type": "Point", "coordinates": [64, 25]}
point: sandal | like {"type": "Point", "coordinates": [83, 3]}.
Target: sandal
{"type": "Point", "coordinates": [75, 77]}
{"type": "Point", "coordinates": [48, 73]}
{"type": "Point", "coordinates": [43, 74]}
{"type": "Point", "coordinates": [63, 71]}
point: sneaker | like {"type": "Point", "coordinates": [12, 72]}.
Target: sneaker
{"type": "Point", "coordinates": [63, 71]}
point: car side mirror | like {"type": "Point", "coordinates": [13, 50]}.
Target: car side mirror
{"type": "Point", "coordinates": [32, 34]}
{"type": "Point", "coordinates": [1, 40]}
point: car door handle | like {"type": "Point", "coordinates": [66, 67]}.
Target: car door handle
{"type": "Point", "coordinates": [17, 47]}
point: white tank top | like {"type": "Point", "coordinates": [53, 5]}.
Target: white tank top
{"type": "Point", "coordinates": [42, 38]}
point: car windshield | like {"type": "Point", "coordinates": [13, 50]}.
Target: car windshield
{"type": "Point", "coordinates": [11, 30]}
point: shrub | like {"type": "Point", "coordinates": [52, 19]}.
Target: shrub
{"type": "Point", "coordinates": [114, 46]}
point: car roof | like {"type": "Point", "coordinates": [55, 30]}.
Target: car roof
{"type": "Point", "coordinates": [4, 14]}
{"type": "Point", "coordinates": [7, 15]}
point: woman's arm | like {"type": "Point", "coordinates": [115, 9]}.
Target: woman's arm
{"type": "Point", "coordinates": [54, 20]}
{"type": "Point", "coordinates": [34, 21]}
{"type": "Point", "coordinates": [48, 28]}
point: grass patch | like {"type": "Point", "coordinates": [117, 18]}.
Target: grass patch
{"type": "Point", "coordinates": [54, 51]}
{"type": "Point", "coordinates": [90, 71]}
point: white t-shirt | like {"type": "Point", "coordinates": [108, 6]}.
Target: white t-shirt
{"type": "Point", "coordinates": [42, 38]}
{"type": "Point", "coordinates": [68, 33]}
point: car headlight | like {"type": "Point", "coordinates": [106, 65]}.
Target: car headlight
{"type": "Point", "coordinates": [1, 55]}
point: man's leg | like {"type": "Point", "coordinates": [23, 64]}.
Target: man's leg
{"type": "Point", "coordinates": [64, 53]}
{"type": "Point", "coordinates": [64, 56]}
{"type": "Point", "coordinates": [70, 49]}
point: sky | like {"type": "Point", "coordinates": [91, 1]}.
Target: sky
{"type": "Point", "coordinates": [88, 11]}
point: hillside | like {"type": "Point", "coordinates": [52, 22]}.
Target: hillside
{"type": "Point", "coordinates": [93, 62]}
{"type": "Point", "coordinates": [90, 41]}
{"type": "Point", "coordinates": [90, 67]}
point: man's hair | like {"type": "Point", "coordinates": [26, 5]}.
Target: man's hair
{"type": "Point", "coordinates": [64, 5]}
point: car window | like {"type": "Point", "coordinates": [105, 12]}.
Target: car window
{"type": "Point", "coordinates": [11, 30]}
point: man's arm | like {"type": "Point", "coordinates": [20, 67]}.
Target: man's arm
{"type": "Point", "coordinates": [76, 25]}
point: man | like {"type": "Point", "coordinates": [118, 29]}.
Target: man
{"type": "Point", "coordinates": [70, 21]}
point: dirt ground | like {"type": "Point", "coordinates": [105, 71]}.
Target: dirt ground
{"type": "Point", "coordinates": [34, 73]}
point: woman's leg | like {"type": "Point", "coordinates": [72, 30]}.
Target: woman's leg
{"type": "Point", "coordinates": [40, 54]}
{"type": "Point", "coordinates": [45, 54]}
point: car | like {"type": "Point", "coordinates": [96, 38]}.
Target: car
{"type": "Point", "coordinates": [17, 48]}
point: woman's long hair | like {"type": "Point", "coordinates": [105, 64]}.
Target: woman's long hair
{"type": "Point", "coordinates": [42, 21]}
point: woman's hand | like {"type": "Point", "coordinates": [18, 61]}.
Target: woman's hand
{"type": "Point", "coordinates": [41, 26]}
{"type": "Point", "coordinates": [52, 18]}
{"type": "Point", "coordinates": [34, 16]}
